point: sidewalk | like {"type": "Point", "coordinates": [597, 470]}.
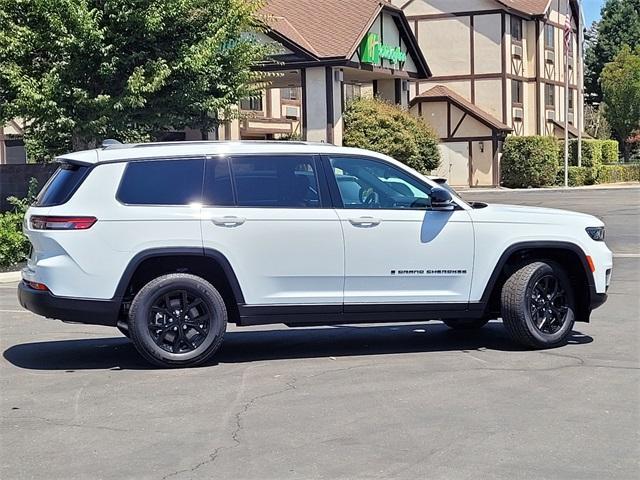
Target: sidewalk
{"type": "Point", "coordinates": [10, 277]}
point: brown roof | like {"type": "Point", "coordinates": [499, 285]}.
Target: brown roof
{"type": "Point", "coordinates": [327, 28]}
{"type": "Point", "coordinates": [530, 7]}
{"type": "Point", "coordinates": [573, 131]}
{"type": "Point", "coordinates": [440, 92]}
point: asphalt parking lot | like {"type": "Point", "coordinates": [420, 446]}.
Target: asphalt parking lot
{"type": "Point", "coordinates": [347, 402]}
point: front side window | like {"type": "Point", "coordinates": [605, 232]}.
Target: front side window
{"type": "Point", "coordinates": [162, 182]}
{"type": "Point", "coordinates": [371, 184]}
{"type": "Point", "coordinates": [285, 181]}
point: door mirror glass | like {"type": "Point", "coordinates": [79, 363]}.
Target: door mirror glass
{"type": "Point", "coordinates": [441, 199]}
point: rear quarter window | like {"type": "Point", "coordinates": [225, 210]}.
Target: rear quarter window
{"type": "Point", "coordinates": [162, 182]}
{"type": "Point", "coordinates": [62, 185]}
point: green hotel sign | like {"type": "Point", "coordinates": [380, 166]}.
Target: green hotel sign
{"type": "Point", "coordinates": [373, 51]}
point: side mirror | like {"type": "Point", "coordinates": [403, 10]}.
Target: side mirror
{"type": "Point", "coordinates": [441, 199]}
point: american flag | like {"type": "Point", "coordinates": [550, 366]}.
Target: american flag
{"type": "Point", "coordinates": [567, 32]}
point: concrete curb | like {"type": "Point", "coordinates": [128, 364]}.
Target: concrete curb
{"type": "Point", "coordinates": [606, 186]}
{"type": "Point", "coordinates": [10, 277]}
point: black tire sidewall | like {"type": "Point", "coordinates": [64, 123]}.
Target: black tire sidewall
{"type": "Point", "coordinates": [138, 319]}
{"type": "Point", "coordinates": [550, 339]}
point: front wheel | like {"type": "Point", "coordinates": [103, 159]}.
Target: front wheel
{"type": "Point", "coordinates": [538, 305]}
{"type": "Point", "coordinates": [177, 320]}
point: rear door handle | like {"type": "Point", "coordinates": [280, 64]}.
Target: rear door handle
{"type": "Point", "coordinates": [365, 221]}
{"type": "Point", "coordinates": [228, 221]}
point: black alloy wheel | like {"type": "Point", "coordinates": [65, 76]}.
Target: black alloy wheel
{"type": "Point", "coordinates": [179, 321]}
{"type": "Point", "coordinates": [548, 304]}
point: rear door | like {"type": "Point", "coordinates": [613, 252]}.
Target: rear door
{"type": "Point", "coordinates": [270, 216]}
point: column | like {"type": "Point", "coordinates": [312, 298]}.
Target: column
{"type": "Point", "coordinates": [322, 104]}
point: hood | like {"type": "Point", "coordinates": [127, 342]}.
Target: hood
{"type": "Point", "coordinates": [535, 215]}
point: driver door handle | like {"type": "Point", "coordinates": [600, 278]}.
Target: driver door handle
{"type": "Point", "coordinates": [228, 221]}
{"type": "Point", "coordinates": [365, 222]}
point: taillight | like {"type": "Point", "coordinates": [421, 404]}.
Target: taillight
{"type": "Point", "coordinates": [41, 222]}
{"type": "Point", "coordinates": [37, 286]}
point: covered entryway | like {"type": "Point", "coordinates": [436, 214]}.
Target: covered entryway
{"type": "Point", "coordinates": [471, 138]}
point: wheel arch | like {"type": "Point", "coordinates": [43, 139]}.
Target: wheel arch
{"type": "Point", "coordinates": [210, 264]}
{"type": "Point", "coordinates": [567, 254]}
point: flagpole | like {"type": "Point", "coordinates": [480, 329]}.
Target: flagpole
{"type": "Point", "coordinates": [580, 93]}
{"type": "Point", "coordinates": [566, 111]}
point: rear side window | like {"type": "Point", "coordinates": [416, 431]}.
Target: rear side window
{"type": "Point", "coordinates": [62, 185]}
{"type": "Point", "coordinates": [287, 181]}
{"type": "Point", "coordinates": [162, 182]}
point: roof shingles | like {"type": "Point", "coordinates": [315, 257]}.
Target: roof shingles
{"type": "Point", "coordinates": [327, 28]}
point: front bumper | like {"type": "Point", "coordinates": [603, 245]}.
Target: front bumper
{"type": "Point", "coordinates": [67, 309]}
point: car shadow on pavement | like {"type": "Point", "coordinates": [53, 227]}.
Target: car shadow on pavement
{"type": "Point", "coordinates": [286, 343]}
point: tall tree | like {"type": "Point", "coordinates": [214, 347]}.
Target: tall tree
{"type": "Point", "coordinates": [619, 25]}
{"type": "Point", "coordinates": [83, 70]}
{"type": "Point", "coordinates": [621, 89]}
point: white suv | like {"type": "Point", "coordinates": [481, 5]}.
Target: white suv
{"type": "Point", "coordinates": [171, 241]}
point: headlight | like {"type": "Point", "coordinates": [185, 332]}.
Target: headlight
{"type": "Point", "coordinates": [596, 233]}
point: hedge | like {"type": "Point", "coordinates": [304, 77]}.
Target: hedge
{"type": "Point", "coordinates": [594, 152]}
{"type": "Point", "coordinates": [374, 124]}
{"type": "Point", "coordinates": [529, 161]}
{"type": "Point", "coordinates": [603, 174]}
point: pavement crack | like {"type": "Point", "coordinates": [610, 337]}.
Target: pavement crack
{"type": "Point", "coordinates": [235, 435]}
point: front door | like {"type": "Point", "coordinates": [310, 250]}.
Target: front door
{"type": "Point", "coordinates": [398, 250]}
{"type": "Point", "coordinates": [267, 215]}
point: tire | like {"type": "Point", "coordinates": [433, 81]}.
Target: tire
{"type": "Point", "coordinates": [177, 320]}
{"type": "Point", "coordinates": [466, 323]}
{"type": "Point", "coordinates": [532, 317]}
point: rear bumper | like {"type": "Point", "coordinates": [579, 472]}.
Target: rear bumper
{"type": "Point", "coordinates": [78, 310]}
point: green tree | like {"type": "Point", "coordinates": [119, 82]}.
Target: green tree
{"type": "Point", "coordinates": [380, 126]}
{"type": "Point", "coordinates": [619, 25]}
{"type": "Point", "coordinates": [621, 89]}
{"type": "Point", "coordinates": [84, 70]}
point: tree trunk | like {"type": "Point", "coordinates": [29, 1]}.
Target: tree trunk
{"type": "Point", "coordinates": [626, 151]}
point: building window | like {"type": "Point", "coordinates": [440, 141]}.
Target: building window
{"type": "Point", "coordinates": [516, 29]}
{"type": "Point", "coordinates": [253, 104]}
{"type": "Point", "coordinates": [516, 92]}
{"type": "Point", "coordinates": [289, 93]}
{"type": "Point", "coordinates": [549, 37]}
{"type": "Point", "coordinates": [549, 96]}
{"type": "Point", "coordinates": [571, 100]}
{"type": "Point", "coordinates": [292, 113]}
{"type": "Point", "coordinates": [352, 91]}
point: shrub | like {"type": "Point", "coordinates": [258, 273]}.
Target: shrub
{"type": "Point", "coordinates": [578, 176]}
{"type": "Point", "coordinates": [529, 161]}
{"type": "Point", "coordinates": [594, 152]}
{"type": "Point", "coordinates": [376, 125]}
{"type": "Point", "coordinates": [609, 151]}
{"type": "Point", "coordinates": [14, 246]}
{"type": "Point", "coordinates": [619, 173]}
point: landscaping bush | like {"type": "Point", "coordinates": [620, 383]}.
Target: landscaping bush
{"type": "Point", "coordinates": [594, 152]}
{"type": "Point", "coordinates": [529, 161]}
{"type": "Point", "coordinates": [376, 125]}
{"type": "Point", "coordinates": [578, 176]}
{"type": "Point", "coordinates": [619, 173]}
{"type": "Point", "coordinates": [609, 151]}
{"type": "Point", "coordinates": [14, 246]}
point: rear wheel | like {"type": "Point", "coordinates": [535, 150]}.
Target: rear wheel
{"type": "Point", "coordinates": [466, 323]}
{"type": "Point", "coordinates": [177, 320]}
{"type": "Point", "coordinates": [538, 305]}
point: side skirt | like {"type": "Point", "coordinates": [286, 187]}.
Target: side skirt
{"type": "Point", "coordinates": [300, 315]}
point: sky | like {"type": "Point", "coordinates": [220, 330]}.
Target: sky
{"type": "Point", "coordinates": [591, 11]}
